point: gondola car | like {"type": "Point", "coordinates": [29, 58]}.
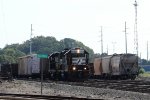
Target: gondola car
{"type": "Point", "coordinates": [69, 64]}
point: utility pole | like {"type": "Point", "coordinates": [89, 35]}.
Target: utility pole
{"type": "Point", "coordinates": [101, 40]}
{"type": "Point", "coordinates": [125, 37]}
{"type": "Point", "coordinates": [140, 59]}
{"type": "Point", "coordinates": [107, 49]}
{"type": "Point", "coordinates": [135, 29]}
{"type": "Point", "coordinates": [64, 43]}
{"type": "Point", "coordinates": [147, 51]}
{"type": "Point", "coordinates": [72, 45]}
{"type": "Point", "coordinates": [31, 41]}
{"type": "Point", "coordinates": [113, 46]}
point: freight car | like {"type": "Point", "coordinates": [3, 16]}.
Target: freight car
{"type": "Point", "coordinates": [69, 64]}
{"type": "Point", "coordinates": [124, 66]}
{"type": "Point", "coordinates": [8, 70]}
{"type": "Point", "coordinates": [30, 66]}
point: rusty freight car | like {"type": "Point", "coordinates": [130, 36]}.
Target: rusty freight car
{"type": "Point", "coordinates": [122, 66]}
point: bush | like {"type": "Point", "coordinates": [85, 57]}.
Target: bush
{"type": "Point", "coordinates": [141, 71]}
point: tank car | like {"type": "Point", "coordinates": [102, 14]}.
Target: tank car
{"type": "Point", "coordinates": [124, 66]}
{"type": "Point", "coordinates": [69, 64]}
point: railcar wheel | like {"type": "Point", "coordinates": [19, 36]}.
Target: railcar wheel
{"type": "Point", "coordinates": [133, 77]}
{"type": "Point", "coordinates": [61, 76]}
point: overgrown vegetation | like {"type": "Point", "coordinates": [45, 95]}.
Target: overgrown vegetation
{"type": "Point", "coordinates": [145, 74]}
{"type": "Point", "coordinates": [141, 70]}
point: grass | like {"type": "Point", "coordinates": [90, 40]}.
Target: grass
{"type": "Point", "coordinates": [145, 74]}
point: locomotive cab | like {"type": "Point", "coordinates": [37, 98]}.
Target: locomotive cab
{"type": "Point", "coordinates": [77, 63]}
{"type": "Point", "coordinates": [69, 64]}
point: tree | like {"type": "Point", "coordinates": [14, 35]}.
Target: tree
{"type": "Point", "coordinates": [10, 55]}
{"type": "Point", "coordinates": [145, 62]}
{"type": "Point", "coordinates": [40, 45]}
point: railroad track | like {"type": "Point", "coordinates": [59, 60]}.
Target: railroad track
{"type": "Point", "coordinates": [140, 86]}
{"type": "Point", "coordinates": [6, 96]}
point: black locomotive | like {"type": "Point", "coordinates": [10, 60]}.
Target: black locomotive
{"type": "Point", "coordinates": [69, 64]}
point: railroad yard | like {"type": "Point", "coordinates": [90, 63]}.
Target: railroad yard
{"type": "Point", "coordinates": [63, 60]}
{"type": "Point", "coordinates": [138, 89]}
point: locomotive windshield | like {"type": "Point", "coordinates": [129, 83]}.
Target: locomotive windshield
{"type": "Point", "coordinates": [77, 53]}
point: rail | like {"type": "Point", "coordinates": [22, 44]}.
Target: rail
{"type": "Point", "coordinates": [8, 96]}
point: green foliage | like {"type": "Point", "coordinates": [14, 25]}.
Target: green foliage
{"type": "Point", "coordinates": [10, 55]}
{"type": "Point", "coordinates": [40, 45]}
{"type": "Point", "coordinates": [141, 70]}
{"type": "Point", "coordinates": [145, 62]}
{"type": "Point", "coordinates": [146, 74]}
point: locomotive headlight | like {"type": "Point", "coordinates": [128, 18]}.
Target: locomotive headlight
{"type": "Point", "coordinates": [84, 68]}
{"type": "Point", "coordinates": [74, 68]}
{"type": "Point", "coordinates": [78, 50]}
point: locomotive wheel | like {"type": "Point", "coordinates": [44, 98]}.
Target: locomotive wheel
{"type": "Point", "coordinates": [52, 76]}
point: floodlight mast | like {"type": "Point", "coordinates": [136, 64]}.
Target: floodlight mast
{"type": "Point", "coordinates": [135, 29]}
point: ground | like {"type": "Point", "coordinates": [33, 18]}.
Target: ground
{"type": "Point", "coordinates": [53, 88]}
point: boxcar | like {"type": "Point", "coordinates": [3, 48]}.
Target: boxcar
{"type": "Point", "coordinates": [30, 66]}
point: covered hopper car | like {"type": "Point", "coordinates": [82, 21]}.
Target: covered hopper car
{"type": "Point", "coordinates": [124, 66]}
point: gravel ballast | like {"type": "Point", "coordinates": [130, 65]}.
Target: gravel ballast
{"type": "Point", "coordinates": [53, 88]}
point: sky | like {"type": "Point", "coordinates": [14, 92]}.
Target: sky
{"type": "Point", "coordinates": [77, 19]}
